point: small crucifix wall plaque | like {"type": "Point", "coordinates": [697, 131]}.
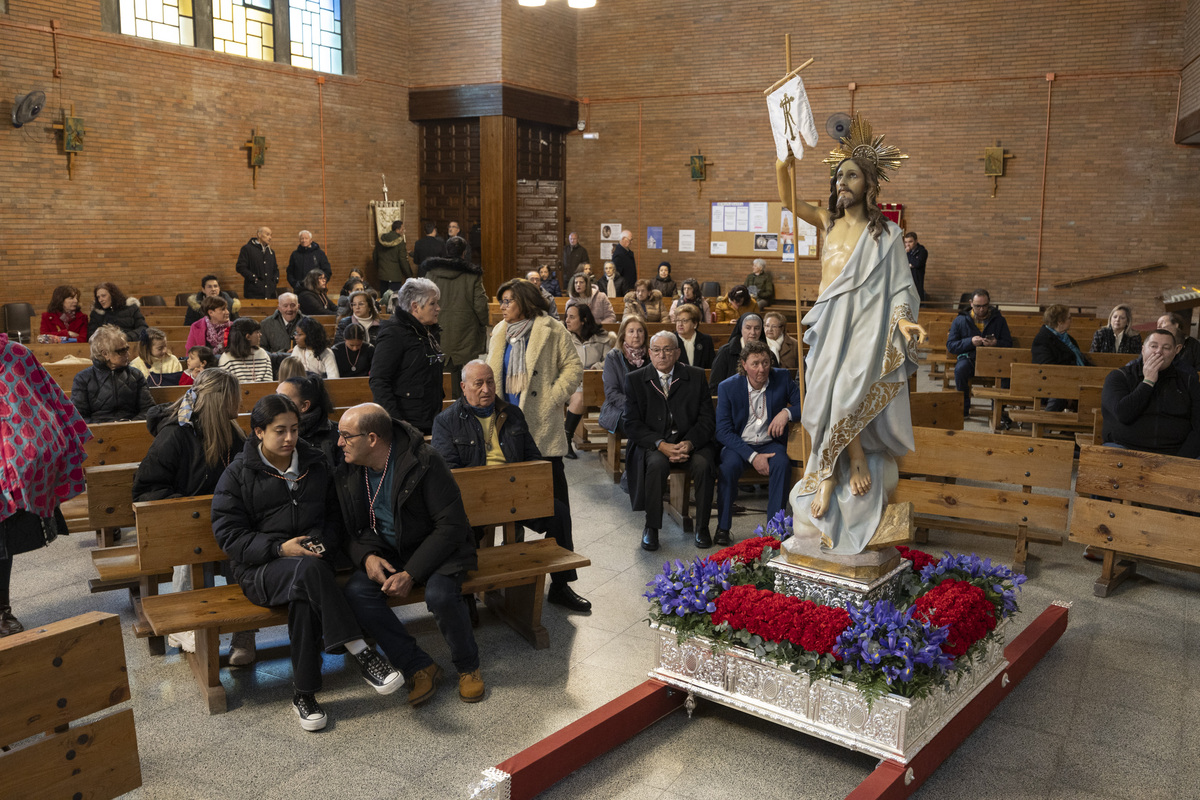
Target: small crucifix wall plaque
{"type": "Point", "coordinates": [73, 132]}
{"type": "Point", "coordinates": [993, 163]}
{"type": "Point", "coordinates": [257, 146]}
{"type": "Point", "coordinates": [699, 171]}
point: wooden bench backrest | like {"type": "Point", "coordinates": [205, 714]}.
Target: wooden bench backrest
{"type": "Point", "coordinates": [344, 392]}
{"type": "Point", "coordinates": [1053, 380]}
{"type": "Point", "coordinates": [1129, 475]}
{"type": "Point", "coordinates": [54, 675]}
{"type": "Point", "coordinates": [64, 374]}
{"type": "Point", "coordinates": [117, 443]}
{"type": "Point", "coordinates": [178, 532]}
{"type": "Point", "coordinates": [47, 353]}
{"type": "Point", "coordinates": [1043, 463]}
{"type": "Point", "coordinates": [110, 495]}
{"type": "Point", "coordinates": [996, 362]}
{"type": "Point", "coordinates": [937, 410]}
{"type": "Point", "coordinates": [979, 457]}
{"type": "Point", "coordinates": [593, 388]}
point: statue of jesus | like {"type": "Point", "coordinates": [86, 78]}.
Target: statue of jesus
{"type": "Point", "coordinates": [862, 334]}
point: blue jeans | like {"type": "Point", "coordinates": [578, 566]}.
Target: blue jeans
{"type": "Point", "coordinates": [443, 598]}
{"type": "Point", "coordinates": [732, 467]}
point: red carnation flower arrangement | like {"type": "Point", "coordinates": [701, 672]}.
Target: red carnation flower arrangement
{"type": "Point", "coordinates": [961, 606]}
{"type": "Point", "coordinates": [748, 551]}
{"type": "Point", "coordinates": [919, 558]}
{"type": "Point", "coordinates": [780, 617]}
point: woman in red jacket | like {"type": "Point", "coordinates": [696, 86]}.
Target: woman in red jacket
{"type": "Point", "coordinates": [62, 321]}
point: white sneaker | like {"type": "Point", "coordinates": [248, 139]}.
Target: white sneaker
{"type": "Point", "coordinates": [184, 640]}
{"type": "Point", "coordinates": [242, 650]}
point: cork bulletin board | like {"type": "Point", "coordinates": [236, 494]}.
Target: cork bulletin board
{"type": "Point", "coordinates": [749, 229]}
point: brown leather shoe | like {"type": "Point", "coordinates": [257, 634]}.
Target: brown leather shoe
{"type": "Point", "coordinates": [470, 686]}
{"type": "Point", "coordinates": [423, 684]}
{"type": "Point", "coordinates": [8, 623]}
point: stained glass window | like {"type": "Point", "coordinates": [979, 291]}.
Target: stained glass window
{"type": "Point", "coordinates": [317, 34]}
{"type": "Point", "coordinates": [244, 28]}
{"type": "Point", "coordinates": [161, 20]}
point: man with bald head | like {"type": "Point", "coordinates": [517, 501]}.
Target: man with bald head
{"type": "Point", "coordinates": [257, 266]}
{"type": "Point", "coordinates": [482, 429]}
{"type": "Point", "coordinates": [669, 421]}
{"type": "Point", "coordinates": [278, 328]}
{"type": "Point", "coordinates": [535, 277]}
{"type": "Point", "coordinates": [623, 260]}
{"type": "Point", "coordinates": [406, 527]}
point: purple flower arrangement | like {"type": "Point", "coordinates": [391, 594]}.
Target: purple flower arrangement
{"type": "Point", "coordinates": [997, 581]}
{"type": "Point", "coordinates": [887, 641]}
{"type": "Point", "coordinates": [683, 589]}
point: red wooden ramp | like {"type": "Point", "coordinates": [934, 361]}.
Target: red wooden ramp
{"type": "Point", "coordinates": [540, 766]}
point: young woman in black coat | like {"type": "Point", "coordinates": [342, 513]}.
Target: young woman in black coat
{"type": "Point", "coordinates": [111, 307]}
{"type": "Point", "coordinates": [275, 514]}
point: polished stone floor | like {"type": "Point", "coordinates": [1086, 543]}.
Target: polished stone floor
{"type": "Point", "coordinates": [1105, 715]}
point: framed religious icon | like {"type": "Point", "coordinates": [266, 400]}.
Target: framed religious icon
{"type": "Point", "coordinates": [73, 131]}
{"type": "Point", "coordinates": [258, 151]}
{"type": "Point", "coordinates": [993, 162]}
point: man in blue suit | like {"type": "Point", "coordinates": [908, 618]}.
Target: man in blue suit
{"type": "Point", "coordinates": [754, 409]}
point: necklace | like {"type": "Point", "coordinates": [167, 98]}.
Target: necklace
{"type": "Point", "coordinates": [371, 496]}
{"type": "Point", "coordinates": [488, 423]}
{"type": "Point", "coordinates": [353, 362]}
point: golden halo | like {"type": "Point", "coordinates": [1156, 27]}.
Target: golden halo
{"type": "Point", "coordinates": [862, 143]}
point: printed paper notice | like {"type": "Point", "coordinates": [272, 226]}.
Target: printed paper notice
{"type": "Point", "coordinates": [717, 248]}
{"type": "Point", "coordinates": [718, 220]}
{"type": "Point", "coordinates": [606, 251]}
{"type": "Point", "coordinates": [758, 218]}
{"type": "Point", "coordinates": [786, 236]}
{"type": "Point", "coordinates": [743, 217]}
{"type": "Point", "coordinates": [687, 241]}
{"type": "Point", "coordinates": [731, 215]}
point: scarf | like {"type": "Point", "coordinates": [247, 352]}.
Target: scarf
{"type": "Point", "coordinates": [515, 379]}
{"type": "Point", "coordinates": [483, 412]}
{"type": "Point", "coordinates": [187, 407]}
{"type": "Point", "coordinates": [635, 356]}
{"type": "Point", "coordinates": [365, 324]}
{"type": "Point", "coordinates": [1065, 339]}
{"type": "Point", "coordinates": [67, 317]}
{"type": "Point", "coordinates": [216, 336]}
{"type": "Point", "coordinates": [41, 436]}
{"type": "Point", "coordinates": [775, 345]}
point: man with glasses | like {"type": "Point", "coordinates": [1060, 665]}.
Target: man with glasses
{"type": "Point", "coordinates": [407, 528]}
{"type": "Point", "coordinates": [669, 421]}
{"type": "Point", "coordinates": [982, 326]}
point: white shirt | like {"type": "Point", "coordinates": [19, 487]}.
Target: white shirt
{"type": "Point", "coordinates": [291, 474]}
{"type": "Point", "coordinates": [689, 347]}
{"type": "Point", "coordinates": [325, 365]}
{"type": "Point", "coordinates": [758, 420]}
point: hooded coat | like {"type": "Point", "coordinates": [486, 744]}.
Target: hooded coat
{"type": "Point", "coordinates": [391, 258]}
{"type": "Point", "coordinates": [406, 370]}
{"type": "Point", "coordinates": [433, 533]}
{"type": "Point", "coordinates": [128, 318]}
{"type": "Point", "coordinates": [464, 303]}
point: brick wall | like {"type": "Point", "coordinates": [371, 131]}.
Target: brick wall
{"type": "Point", "coordinates": [537, 224]}
{"type": "Point", "coordinates": [942, 81]}
{"type": "Point", "coordinates": [162, 192]}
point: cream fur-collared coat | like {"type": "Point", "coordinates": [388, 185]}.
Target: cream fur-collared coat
{"type": "Point", "coordinates": [554, 370]}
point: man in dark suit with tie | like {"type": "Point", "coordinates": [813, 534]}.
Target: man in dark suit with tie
{"type": "Point", "coordinates": [669, 421]}
{"type": "Point", "coordinates": [754, 409]}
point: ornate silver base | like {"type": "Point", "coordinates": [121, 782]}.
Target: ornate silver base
{"type": "Point", "coordinates": [834, 590]}
{"type": "Point", "coordinates": [894, 727]}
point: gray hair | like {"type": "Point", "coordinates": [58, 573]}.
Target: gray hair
{"type": "Point", "coordinates": [759, 262]}
{"type": "Point", "coordinates": [667, 334]}
{"type": "Point", "coordinates": [105, 340]}
{"type": "Point", "coordinates": [477, 362]}
{"type": "Point", "coordinates": [532, 272]}
{"type": "Point", "coordinates": [288, 296]}
{"type": "Point", "coordinates": [416, 290]}
{"type": "Point", "coordinates": [305, 233]}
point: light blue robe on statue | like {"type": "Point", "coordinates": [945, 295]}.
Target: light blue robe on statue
{"type": "Point", "coordinates": [856, 384]}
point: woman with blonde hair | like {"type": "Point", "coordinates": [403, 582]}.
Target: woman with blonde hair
{"type": "Point", "coordinates": [1118, 336]}
{"type": "Point", "coordinates": [155, 361]}
{"type": "Point", "coordinates": [581, 290]}
{"type": "Point", "coordinates": [109, 391]}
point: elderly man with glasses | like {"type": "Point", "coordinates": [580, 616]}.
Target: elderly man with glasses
{"type": "Point", "coordinates": [669, 421]}
{"type": "Point", "coordinates": [982, 326]}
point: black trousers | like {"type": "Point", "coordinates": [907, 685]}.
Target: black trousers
{"type": "Point", "coordinates": [317, 611]}
{"type": "Point", "coordinates": [703, 468]}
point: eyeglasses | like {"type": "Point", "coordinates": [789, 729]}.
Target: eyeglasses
{"type": "Point", "coordinates": [121, 351]}
{"type": "Point", "coordinates": [349, 436]}
{"type": "Point", "coordinates": [507, 302]}
{"type": "Point", "coordinates": [662, 351]}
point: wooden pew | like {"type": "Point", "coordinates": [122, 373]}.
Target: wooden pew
{"type": "Point", "coordinates": [1044, 381]}
{"type": "Point", "coordinates": [64, 374]}
{"type": "Point", "coordinates": [936, 410]}
{"type": "Point", "coordinates": [1135, 506]}
{"type": "Point", "coordinates": [931, 479]}
{"type": "Point", "coordinates": [593, 398]}
{"type": "Point", "coordinates": [49, 353]}
{"type": "Point", "coordinates": [512, 576]}
{"type": "Point", "coordinates": [54, 676]}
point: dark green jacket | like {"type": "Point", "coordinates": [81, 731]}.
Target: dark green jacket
{"type": "Point", "coordinates": [391, 258]}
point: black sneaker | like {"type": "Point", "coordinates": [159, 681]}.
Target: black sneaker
{"type": "Point", "coordinates": [312, 718]}
{"type": "Point", "coordinates": [378, 672]}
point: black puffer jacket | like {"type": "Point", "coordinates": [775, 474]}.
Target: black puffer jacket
{"type": "Point", "coordinates": [303, 261]}
{"type": "Point", "coordinates": [434, 535]}
{"type": "Point", "coordinates": [253, 511]}
{"type": "Point", "coordinates": [101, 394]}
{"type": "Point", "coordinates": [458, 435]}
{"type": "Point", "coordinates": [175, 465]}
{"type": "Point", "coordinates": [406, 371]}
{"type": "Point", "coordinates": [128, 318]}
